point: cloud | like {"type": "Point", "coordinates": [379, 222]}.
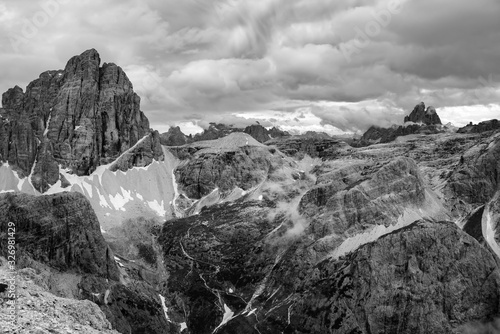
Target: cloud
{"type": "Point", "coordinates": [201, 60]}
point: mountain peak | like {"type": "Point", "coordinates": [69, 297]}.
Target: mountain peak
{"type": "Point", "coordinates": [427, 116]}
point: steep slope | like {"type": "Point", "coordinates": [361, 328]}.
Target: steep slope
{"type": "Point", "coordinates": [427, 278]}
{"type": "Point", "coordinates": [79, 118]}
{"type": "Point", "coordinates": [237, 160]}
{"type": "Point", "coordinates": [115, 195]}
{"type": "Point", "coordinates": [58, 237]}
{"type": "Point", "coordinates": [60, 230]}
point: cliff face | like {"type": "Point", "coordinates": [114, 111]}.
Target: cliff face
{"type": "Point", "coordinates": [79, 118]}
{"type": "Point", "coordinates": [59, 239]}
{"type": "Point", "coordinates": [427, 278]}
{"type": "Point", "coordinates": [60, 230]}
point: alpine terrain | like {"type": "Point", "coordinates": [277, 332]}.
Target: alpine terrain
{"type": "Point", "coordinates": [121, 229]}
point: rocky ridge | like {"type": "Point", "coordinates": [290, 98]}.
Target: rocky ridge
{"type": "Point", "coordinates": [78, 118]}
{"type": "Point", "coordinates": [175, 137]}
{"type": "Point", "coordinates": [420, 121]}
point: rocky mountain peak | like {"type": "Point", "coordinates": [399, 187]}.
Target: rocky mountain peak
{"type": "Point", "coordinates": [78, 118]}
{"type": "Point", "coordinates": [427, 116]}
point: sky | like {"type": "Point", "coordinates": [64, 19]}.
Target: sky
{"type": "Point", "coordinates": [322, 65]}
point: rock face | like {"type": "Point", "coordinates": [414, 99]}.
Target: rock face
{"type": "Point", "coordinates": [237, 160]}
{"type": "Point", "coordinates": [174, 137]}
{"type": "Point", "coordinates": [43, 312]}
{"type": "Point", "coordinates": [421, 115]}
{"type": "Point", "coordinates": [80, 117]}
{"type": "Point", "coordinates": [427, 278]}
{"type": "Point", "coordinates": [262, 135]}
{"type": "Point", "coordinates": [422, 122]}
{"type": "Point", "coordinates": [353, 197]}
{"type": "Point", "coordinates": [60, 234]}
{"type": "Point", "coordinates": [475, 181]}
{"type": "Point", "coordinates": [60, 230]}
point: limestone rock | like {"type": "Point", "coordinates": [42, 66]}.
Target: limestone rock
{"type": "Point", "coordinates": [40, 311]}
{"type": "Point", "coordinates": [60, 230]}
{"type": "Point", "coordinates": [80, 118]}
{"type": "Point", "coordinates": [475, 181]}
{"type": "Point", "coordinates": [427, 278]}
{"type": "Point", "coordinates": [174, 137]}
{"type": "Point", "coordinates": [235, 160]}
{"type": "Point", "coordinates": [421, 115]}
{"type": "Point", "coordinates": [350, 198]}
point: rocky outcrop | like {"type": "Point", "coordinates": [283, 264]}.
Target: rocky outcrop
{"type": "Point", "coordinates": [80, 118]}
{"type": "Point", "coordinates": [314, 146]}
{"type": "Point", "coordinates": [142, 154]}
{"type": "Point", "coordinates": [421, 115]}
{"type": "Point", "coordinates": [427, 278]}
{"type": "Point", "coordinates": [40, 311]}
{"type": "Point", "coordinates": [261, 134]}
{"type": "Point", "coordinates": [476, 179]}
{"type": "Point", "coordinates": [61, 230]}
{"type": "Point", "coordinates": [61, 235]}
{"type": "Point", "coordinates": [237, 160]}
{"type": "Point", "coordinates": [421, 121]}
{"type": "Point", "coordinates": [215, 259]}
{"type": "Point", "coordinates": [349, 199]}
{"type": "Point", "coordinates": [490, 125]}
{"type": "Point", "coordinates": [174, 137]}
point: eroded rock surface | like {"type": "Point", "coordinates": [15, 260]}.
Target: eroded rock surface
{"type": "Point", "coordinates": [60, 230]}
{"type": "Point", "coordinates": [80, 118]}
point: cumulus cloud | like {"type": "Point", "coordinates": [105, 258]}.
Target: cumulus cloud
{"type": "Point", "coordinates": [204, 60]}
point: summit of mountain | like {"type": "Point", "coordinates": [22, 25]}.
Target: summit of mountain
{"type": "Point", "coordinates": [77, 119]}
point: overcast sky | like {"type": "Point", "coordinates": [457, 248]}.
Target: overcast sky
{"type": "Point", "coordinates": [321, 65]}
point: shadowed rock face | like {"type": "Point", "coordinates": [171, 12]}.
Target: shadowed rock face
{"type": "Point", "coordinates": [80, 117]}
{"type": "Point", "coordinates": [475, 181]}
{"type": "Point", "coordinates": [427, 278]}
{"type": "Point", "coordinates": [60, 230]}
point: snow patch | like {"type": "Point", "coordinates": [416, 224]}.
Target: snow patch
{"type": "Point", "coordinates": [183, 326]}
{"type": "Point", "coordinates": [165, 308]}
{"type": "Point", "coordinates": [157, 207]}
{"type": "Point", "coordinates": [228, 315]}
{"type": "Point", "coordinates": [488, 232]}
{"type": "Point", "coordinates": [46, 131]}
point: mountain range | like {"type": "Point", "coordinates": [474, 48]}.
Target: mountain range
{"type": "Point", "coordinates": [121, 229]}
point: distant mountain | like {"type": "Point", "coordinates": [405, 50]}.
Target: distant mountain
{"type": "Point", "coordinates": [420, 121]}
{"type": "Point", "coordinates": [421, 115]}
{"type": "Point", "coordinates": [175, 137]}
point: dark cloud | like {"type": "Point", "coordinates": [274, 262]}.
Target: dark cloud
{"type": "Point", "coordinates": [204, 60]}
